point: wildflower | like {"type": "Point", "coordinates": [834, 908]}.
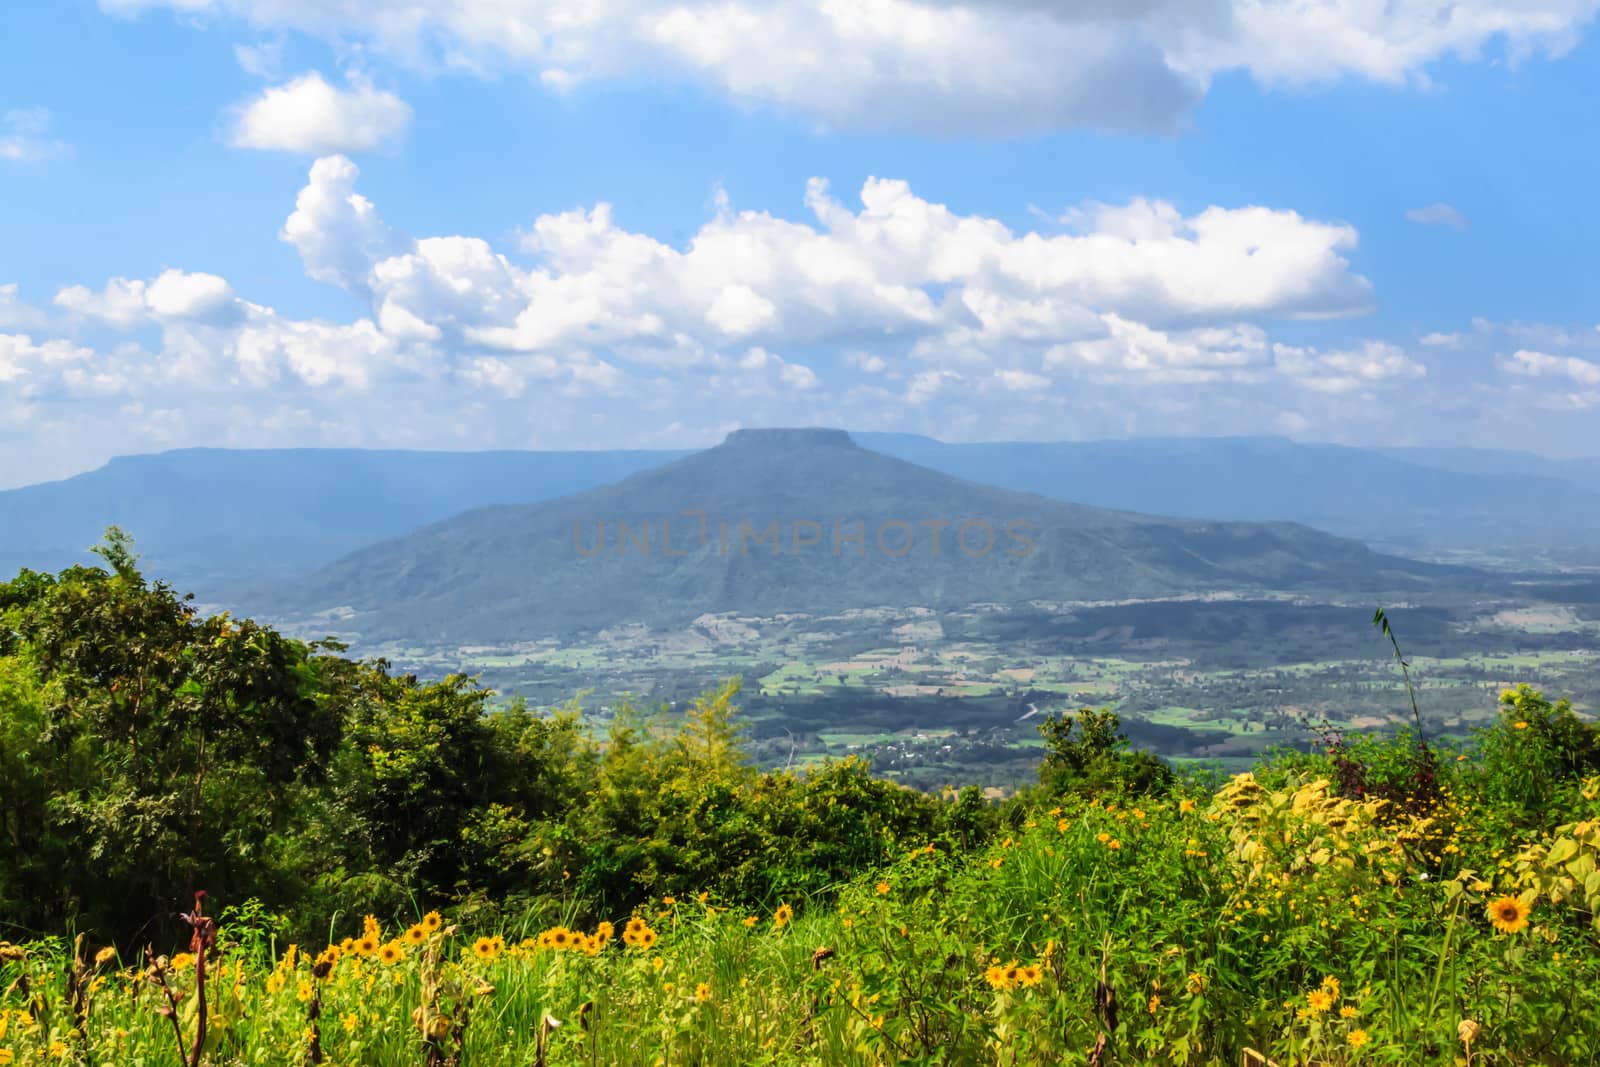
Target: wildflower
{"type": "Point", "coordinates": [484, 948]}
{"type": "Point", "coordinates": [1154, 1004]}
{"type": "Point", "coordinates": [1358, 1038]}
{"type": "Point", "coordinates": [882, 887]}
{"type": "Point", "coordinates": [560, 937]}
{"type": "Point", "coordinates": [105, 956]}
{"type": "Point", "coordinates": [669, 901]}
{"type": "Point", "coordinates": [751, 920]}
{"type": "Point", "coordinates": [182, 961]}
{"type": "Point", "coordinates": [646, 939]}
{"type": "Point", "coordinates": [1113, 844]}
{"type": "Point", "coordinates": [782, 916]}
{"type": "Point", "coordinates": [1197, 983]}
{"type": "Point", "coordinates": [998, 977]}
{"type": "Point", "coordinates": [366, 946]}
{"type": "Point", "coordinates": [702, 992]}
{"type": "Point", "coordinates": [431, 921]}
{"type": "Point", "coordinates": [1029, 975]}
{"type": "Point", "coordinates": [350, 1020]}
{"type": "Point", "coordinates": [1519, 726]}
{"type": "Point", "coordinates": [1348, 1012]}
{"type": "Point", "coordinates": [416, 935]}
{"type": "Point", "coordinates": [1185, 806]}
{"type": "Point", "coordinates": [1102, 837]}
{"type": "Point", "coordinates": [1508, 914]}
{"type": "Point", "coordinates": [1061, 825]}
{"type": "Point", "coordinates": [1319, 1001]}
{"type": "Point", "coordinates": [391, 954]}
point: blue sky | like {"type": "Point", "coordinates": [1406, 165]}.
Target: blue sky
{"type": "Point", "coordinates": [524, 223]}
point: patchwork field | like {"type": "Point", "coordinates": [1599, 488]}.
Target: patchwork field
{"type": "Point", "coordinates": [956, 698]}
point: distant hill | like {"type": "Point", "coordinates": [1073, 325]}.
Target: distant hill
{"type": "Point", "coordinates": [506, 573]}
{"type": "Point", "coordinates": [212, 518]}
{"type": "Point", "coordinates": [1410, 500]}
{"type": "Point", "coordinates": [216, 519]}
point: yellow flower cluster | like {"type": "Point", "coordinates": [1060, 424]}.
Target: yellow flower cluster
{"type": "Point", "coordinates": [638, 934]}
{"type": "Point", "coordinates": [1013, 975]}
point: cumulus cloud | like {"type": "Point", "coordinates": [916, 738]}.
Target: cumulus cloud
{"type": "Point", "coordinates": [884, 310]}
{"type": "Point", "coordinates": [897, 267]}
{"type": "Point", "coordinates": [174, 295]}
{"type": "Point", "coordinates": [1349, 370]}
{"type": "Point", "coordinates": [1541, 365]}
{"type": "Point", "coordinates": [1438, 215]}
{"type": "Point", "coordinates": [1133, 351]}
{"type": "Point", "coordinates": [24, 136]}
{"type": "Point", "coordinates": [974, 66]}
{"type": "Point", "coordinates": [307, 115]}
{"type": "Point", "coordinates": [15, 313]}
{"type": "Point", "coordinates": [29, 366]}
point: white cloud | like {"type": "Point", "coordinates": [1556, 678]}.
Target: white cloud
{"type": "Point", "coordinates": [799, 376]}
{"type": "Point", "coordinates": [24, 136]}
{"type": "Point", "coordinates": [890, 312]}
{"type": "Point", "coordinates": [15, 313]}
{"type": "Point", "coordinates": [977, 66]}
{"type": "Point", "coordinates": [336, 230]}
{"type": "Point", "coordinates": [1438, 215]}
{"type": "Point", "coordinates": [1371, 364]}
{"type": "Point", "coordinates": [1541, 365]}
{"type": "Point", "coordinates": [898, 269]}
{"type": "Point", "coordinates": [173, 295]}
{"type": "Point", "coordinates": [308, 115]}
{"type": "Point", "coordinates": [30, 366]}
{"type": "Point", "coordinates": [1131, 351]}
{"type": "Point", "coordinates": [264, 59]}
{"type": "Point", "coordinates": [1021, 381]}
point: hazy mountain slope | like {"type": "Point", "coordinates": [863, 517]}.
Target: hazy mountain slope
{"type": "Point", "coordinates": [500, 574]}
{"type": "Point", "coordinates": [215, 518]}
{"type": "Point", "coordinates": [1428, 502]}
{"type": "Point", "coordinates": [210, 516]}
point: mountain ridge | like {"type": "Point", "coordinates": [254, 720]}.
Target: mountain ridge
{"type": "Point", "coordinates": [512, 572]}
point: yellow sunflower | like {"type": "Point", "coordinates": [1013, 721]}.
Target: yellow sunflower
{"type": "Point", "coordinates": [391, 954]}
{"type": "Point", "coordinates": [431, 921]}
{"type": "Point", "coordinates": [1509, 914]}
{"type": "Point", "coordinates": [782, 916]}
{"type": "Point", "coordinates": [416, 935]}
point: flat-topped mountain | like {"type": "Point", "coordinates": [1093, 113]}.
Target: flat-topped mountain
{"type": "Point", "coordinates": [217, 520]}
{"type": "Point", "coordinates": [775, 521]}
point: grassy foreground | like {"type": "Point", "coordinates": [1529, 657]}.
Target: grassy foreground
{"type": "Point", "coordinates": [1269, 918]}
